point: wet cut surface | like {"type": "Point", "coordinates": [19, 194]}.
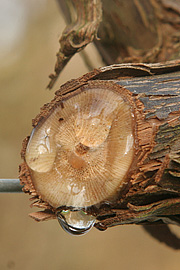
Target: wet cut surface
{"type": "Point", "coordinates": [82, 159]}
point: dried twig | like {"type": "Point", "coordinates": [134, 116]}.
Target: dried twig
{"type": "Point", "coordinates": [77, 35]}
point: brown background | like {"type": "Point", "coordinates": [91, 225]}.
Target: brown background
{"type": "Point", "coordinates": [25, 244]}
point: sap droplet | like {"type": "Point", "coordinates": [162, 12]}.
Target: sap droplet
{"type": "Point", "coordinates": [75, 222]}
{"type": "Point", "coordinates": [41, 150]}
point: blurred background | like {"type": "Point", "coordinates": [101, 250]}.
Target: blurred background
{"type": "Point", "coordinates": [29, 34]}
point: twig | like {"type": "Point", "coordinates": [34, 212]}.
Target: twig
{"type": "Point", "coordinates": [77, 35]}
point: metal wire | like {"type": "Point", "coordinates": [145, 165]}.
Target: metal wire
{"type": "Point", "coordinates": [10, 185]}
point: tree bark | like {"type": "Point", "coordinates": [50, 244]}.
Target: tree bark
{"type": "Point", "coordinates": [154, 188]}
{"type": "Point", "coordinates": [139, 31]}
{"type": "Point", "coordinates": [152, 192]}
{"type": "Point", "coordinates": [144, 31]}
{"type": "Point", "coordinates": [133, 30]}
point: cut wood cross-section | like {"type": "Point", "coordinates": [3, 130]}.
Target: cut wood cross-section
{"type": "Point", "coordinates": [150, 188]}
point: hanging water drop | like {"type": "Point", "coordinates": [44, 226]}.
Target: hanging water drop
{"type": "Point", "coordinates": [75, 222]}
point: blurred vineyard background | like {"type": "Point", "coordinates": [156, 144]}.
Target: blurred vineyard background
{"type": "Point", "coordinates": [29, 34]}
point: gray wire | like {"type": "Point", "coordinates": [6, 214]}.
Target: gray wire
{"type": "Point", "coordinates": [10, 185]}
